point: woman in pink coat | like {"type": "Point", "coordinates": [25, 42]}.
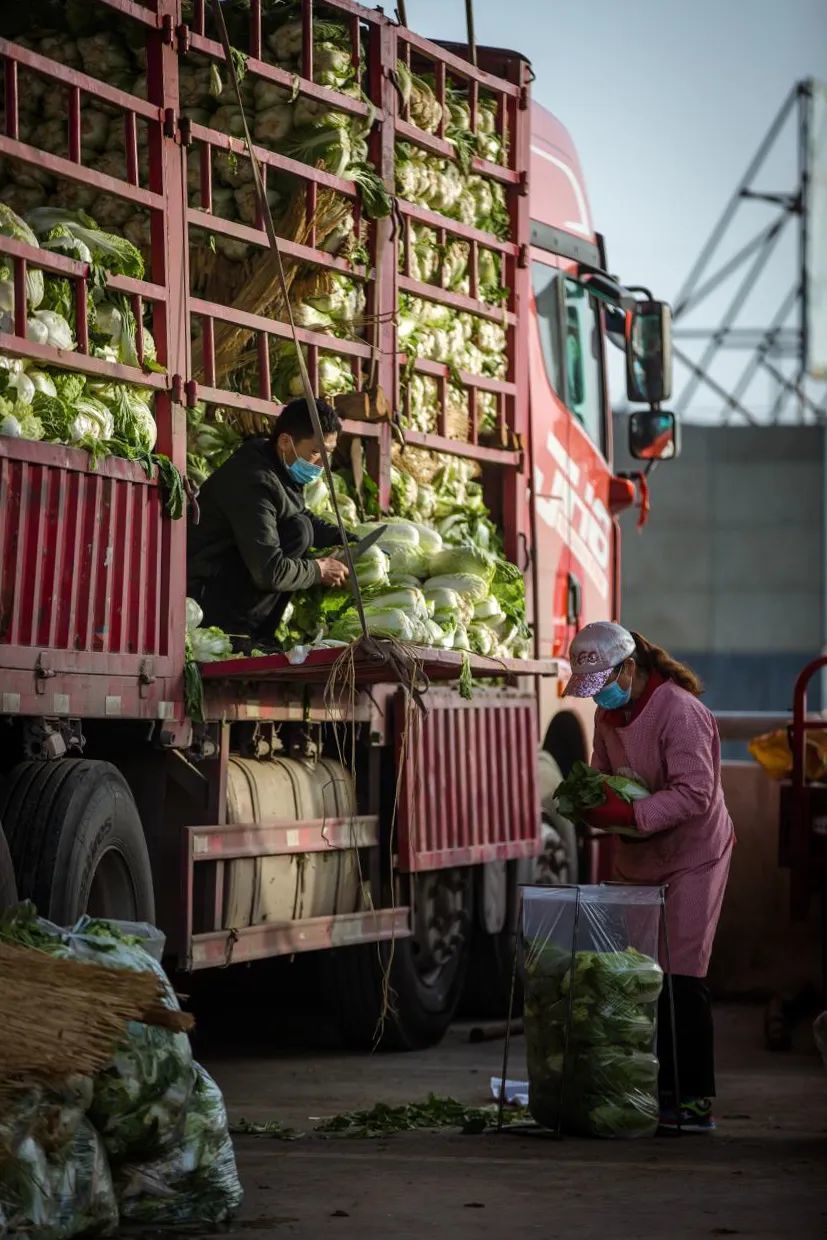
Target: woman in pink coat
{"type": "Point", "coordinates": [652, 727]}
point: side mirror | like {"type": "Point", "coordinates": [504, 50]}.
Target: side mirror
{"type": "Point", "coordinates": [649, 352]}
{"type": "Point", "coordinates": [654, 435]}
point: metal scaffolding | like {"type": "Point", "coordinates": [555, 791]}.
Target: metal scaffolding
{"type": "Point", "coordinates": [776, 351]}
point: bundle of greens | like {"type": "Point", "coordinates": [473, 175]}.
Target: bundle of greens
{"type": "Point", "coordinates": [590, 1037]}
{"type": "Point", "coordinates": [584, 788]}
{"type": "Point", "coordinates": [91, 38]}
{"type": "Point", "coordinates": [423, 109]}
{"type": "Point", "coordinates": [441, 185]}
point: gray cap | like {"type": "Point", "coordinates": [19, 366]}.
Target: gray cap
{"type": "Point", "coordinates": [594, 654]}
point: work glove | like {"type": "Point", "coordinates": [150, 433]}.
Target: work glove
{"type": "Point", "coordinates": [614, 812]}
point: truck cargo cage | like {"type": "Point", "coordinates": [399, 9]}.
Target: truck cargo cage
{"type": "Point", "coordinates": [89, 556]}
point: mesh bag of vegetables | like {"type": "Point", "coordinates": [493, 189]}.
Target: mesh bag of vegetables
{"type": "Point", "coordinates": [55, 1180]}
{"type": "Point", "coordinates": [592, 984]}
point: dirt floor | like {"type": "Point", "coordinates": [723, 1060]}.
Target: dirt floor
{"type": "Point", "coordinates": [762, 1174]}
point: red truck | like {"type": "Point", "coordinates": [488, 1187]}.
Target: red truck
{"type": "Point", "coordinates": [292, 820]}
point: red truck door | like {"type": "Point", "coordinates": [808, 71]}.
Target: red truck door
{"type": "Point", "coordinates": [574, 532]}
{"type": "Point", "coordinates": [550, 427]}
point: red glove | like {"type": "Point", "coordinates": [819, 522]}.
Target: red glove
{"type": "Point", "coordinates": [614, 812]}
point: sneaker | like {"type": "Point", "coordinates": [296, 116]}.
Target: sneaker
{"type": "Point", "coordinates": [693, 1116]}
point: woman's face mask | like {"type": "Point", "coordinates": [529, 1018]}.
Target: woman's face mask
{"type": "Point", "coordinates": [614, 695]}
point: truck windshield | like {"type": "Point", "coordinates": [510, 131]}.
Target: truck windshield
{"type": "Point", "coordinates": [571, 353]}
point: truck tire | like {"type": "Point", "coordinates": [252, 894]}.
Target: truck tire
{"type": "Point", "coordinates": [425, 984]}
{"type": "Point", "coordinates": [488, 985]}
{"type": "Point", "coordinates": [8, 887]}
{"type": "Point", "coordinates": [76, 841]}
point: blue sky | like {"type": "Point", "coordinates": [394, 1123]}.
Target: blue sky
{"type": "Point", "coordinates": [667, 101]}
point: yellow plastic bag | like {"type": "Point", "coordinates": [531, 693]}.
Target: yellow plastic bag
{"type": "Point", "coordinates": [773, 753]}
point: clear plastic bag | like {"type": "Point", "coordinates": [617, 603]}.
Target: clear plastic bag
{"type": "Point", "coordinates": [55, 1180]}
{"type": "Point", "coordinates": [592, 983]}
{"type": "Point", "coordinates": [140, 1100]}
{"type": "Point", "coordinates": [196, 1180]}
{"type": "Point", "coordinates": [160, 1116]}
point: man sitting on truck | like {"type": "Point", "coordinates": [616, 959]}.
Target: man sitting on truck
{"type": "Point", "coordinates": [249, 550]}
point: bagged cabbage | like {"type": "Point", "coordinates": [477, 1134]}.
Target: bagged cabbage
{"type": "Point", "coordinates": [590, 1013]}
{"type": "Point", "coordinates": [210, 644]}
{"type": "Point", "coordinates": [140, 1100]}
{"type": "Point", "coordinates": [55, 1180]}
{"type": "Point", "coordinates": [195, 1180]}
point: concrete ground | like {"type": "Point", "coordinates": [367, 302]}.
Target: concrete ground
{"type": "Point", "coordinates": [763, 1174]}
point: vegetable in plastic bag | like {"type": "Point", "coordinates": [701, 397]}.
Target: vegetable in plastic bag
{"type": "Point", "coordinates": [140, 1100]}
{"type": "Point", "coordinates": [55, 1180]}
{"type": "Point", "coordinates": [606, 1007]}
{"type": "Point", "coordinates": [195, 1180]}
{"type": "Point", "coordinates": [210, 644]}
{"type": "Point", "coordinates": [194, 614]}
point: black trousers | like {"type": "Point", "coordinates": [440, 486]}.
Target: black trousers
{"type": "Point", "coordinates": [694, 1037]}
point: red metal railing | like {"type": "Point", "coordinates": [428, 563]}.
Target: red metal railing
{"type": "Point", "coordinates": [130, 529]}
{"type": "Point", "coordinates": [362, 354]}
{"type": "Point", "coordinates": [469, 781]}
{"type": "Point", "coordinates": [803, 838]}
{"type": "Point", "coordinates": [92, 568]}
{"type": "Point", "coordinates": [377, 45]}
{"type": "Point", "coordinates": [418, 53]}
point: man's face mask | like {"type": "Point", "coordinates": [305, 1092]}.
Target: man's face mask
{"type": "Point", "coordinates": [613, 695]}
{"type": "Point", "coordinates": [302, 471]}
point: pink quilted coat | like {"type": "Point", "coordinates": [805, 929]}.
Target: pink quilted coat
{"type": "Point", "coordinates": [672, 746]}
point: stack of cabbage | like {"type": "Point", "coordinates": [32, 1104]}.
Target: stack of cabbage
{"type": "Point", "coordinates": [146, 1140]}
{"type": "Point", "coordinates": [611, 1071]}
{"type": "Point", "coordinates": [88, 38]}
{"type": "Point", "coordinates": [428, 330]}
{"type": "Point", "coordinates": [211, 441]}
{"type": "Point", "coordinates": [435, 578]}
{"type": "Point", "coordinates": [37, 402]}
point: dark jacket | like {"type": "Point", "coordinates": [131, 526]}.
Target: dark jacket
{"type": "Point", "coordinates": [249, 549]}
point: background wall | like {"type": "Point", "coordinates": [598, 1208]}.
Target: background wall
{"type": "Point", "coordinates": [729, 572]}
